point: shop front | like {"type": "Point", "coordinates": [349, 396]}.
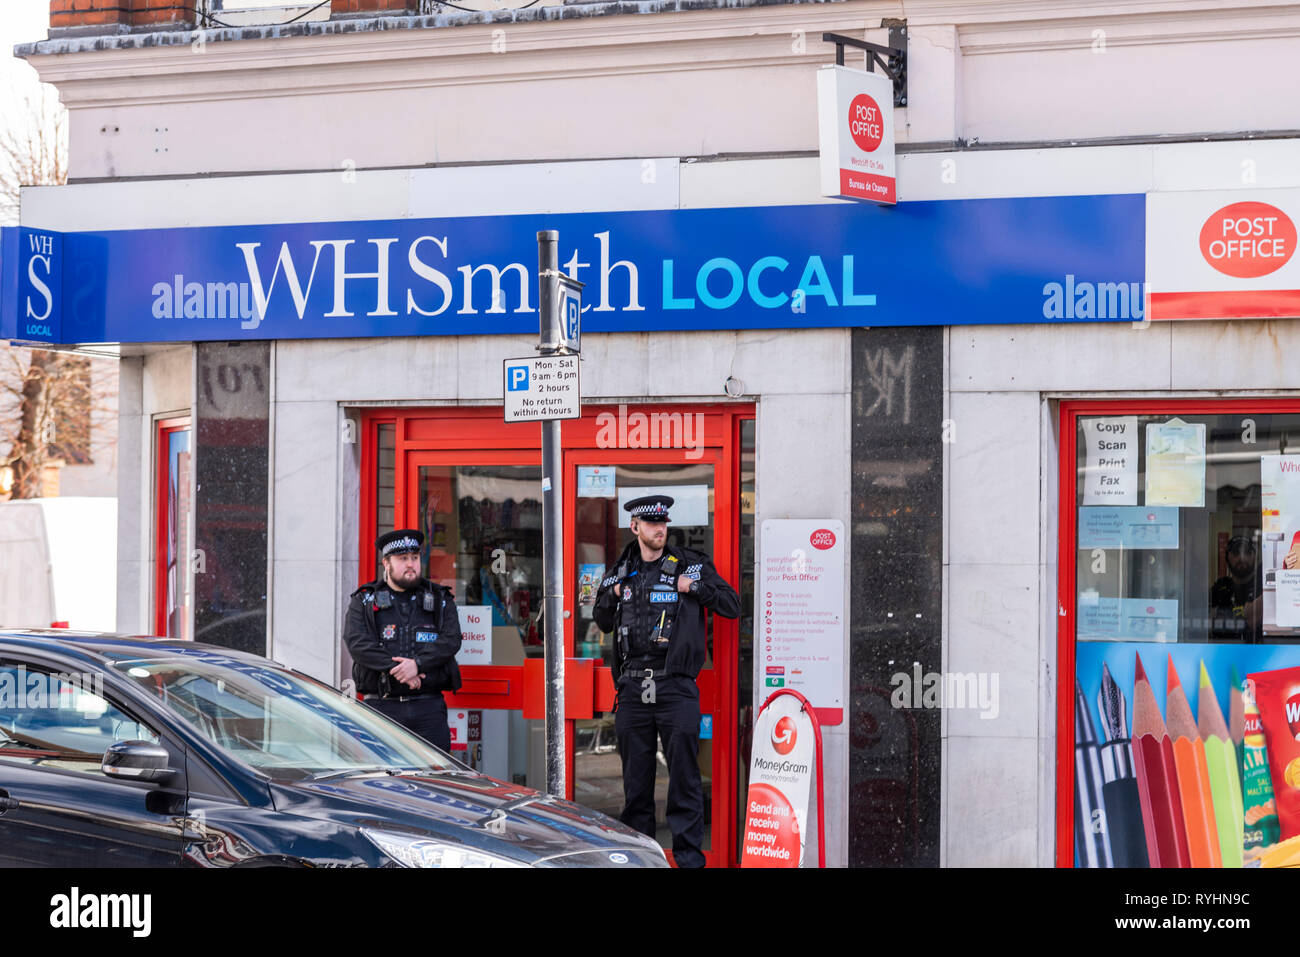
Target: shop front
{"type": "Point", "coordinates": [1180, 633]}
{"type": "Point", "coordinates": [341, 379]}
{"type": "Point", "coordinates": [1179, 570]}
{"type": "Point", "coordinates": [471, 483]}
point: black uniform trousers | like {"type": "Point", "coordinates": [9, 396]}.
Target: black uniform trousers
{"type": "Point", "coordinates": [425, 715]}
{"type": "Point", "coordinates": [674, 719]}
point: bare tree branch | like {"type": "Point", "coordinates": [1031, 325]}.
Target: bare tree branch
{"type": "Point", "coordinates": [48, 399]}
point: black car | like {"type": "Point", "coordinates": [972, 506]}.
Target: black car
{"type": "Point", "coordinates": [122, 751]}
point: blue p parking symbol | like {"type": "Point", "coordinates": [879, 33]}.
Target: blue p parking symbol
{"type": "Point", "coordinates": [570, 318]}
{"type": "Point", "coordinates": [517, 378]}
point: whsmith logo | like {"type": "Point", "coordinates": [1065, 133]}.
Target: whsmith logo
{"type": "Point", "coordinates": [38, 301]}
{"type": "Point", "coordinates": [358, 277]}
{"type": "Point", "coordinates": [1094, 300]}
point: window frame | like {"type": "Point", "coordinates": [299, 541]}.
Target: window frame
{"type": "Point", "coordinates": [1069, 412]}
{"type": "Point", "coordinates": [163, 429]}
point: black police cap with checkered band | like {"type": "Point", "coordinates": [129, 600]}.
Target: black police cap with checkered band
{"type": "Point", "coordinates": [402, 540]}
{"type": "Point", "coordinates": [650, 508]}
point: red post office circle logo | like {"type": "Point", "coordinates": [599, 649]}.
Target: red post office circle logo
{"type": "Point", "coordinates": [823, 538]}
{"type": "Point", "coordinates": [866, 123]}
{"type": "Point", "coordinates": [784, 735]}
{"type": "Point", "coordinates": [1248, 240]}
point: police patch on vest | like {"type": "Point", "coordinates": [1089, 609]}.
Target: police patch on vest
{"type": "Point", "coordinates": [390, 632]}
{"type": "Point", "coordinates": [663, 596]}
{"type": "Point", "coordinates": [627, 592]}
{"type": "Point", "coordinates": [426, 636]}
{"type": "Point", "coordinates": [667, 580]}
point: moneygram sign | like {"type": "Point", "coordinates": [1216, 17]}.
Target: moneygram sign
{"type": "Point", "coordinates": [780, 785]}
{"type": "Point", "coordinates": [1223, 254]}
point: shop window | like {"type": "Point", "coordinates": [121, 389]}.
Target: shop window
{"type": "Point", "coordinates": [1181, 581]}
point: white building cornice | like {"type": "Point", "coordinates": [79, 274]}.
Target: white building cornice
{"type": "Point", "coordinates": [185, 66]}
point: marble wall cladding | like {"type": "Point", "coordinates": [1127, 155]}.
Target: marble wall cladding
{"type": "Point", "coordinates": [895, 746]}
{"type": "Point", "coordinates": [231, 498]}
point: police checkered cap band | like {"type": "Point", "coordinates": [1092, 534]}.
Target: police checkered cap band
{"type": "Point", "coordinates": [651, 510]}
{"type": "Point", "coordinates": [407, 544]}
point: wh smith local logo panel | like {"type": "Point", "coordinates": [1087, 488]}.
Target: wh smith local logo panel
{"type": "Point", "coordinates": [784, 267]}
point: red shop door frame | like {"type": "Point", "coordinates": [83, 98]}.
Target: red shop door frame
{"type": "Point", "coordinates": [1070, 412]}
{"type": "Point", "coordinates": [477, 435]}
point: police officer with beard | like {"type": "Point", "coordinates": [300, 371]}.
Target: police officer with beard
{"type": "Point", "coordinates": [403, 633]}
{"type": "Point", "coordinates": [654, 603]}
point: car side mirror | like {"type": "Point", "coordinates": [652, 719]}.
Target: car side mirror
{"type": "Point", "coordinates": [139, 760]}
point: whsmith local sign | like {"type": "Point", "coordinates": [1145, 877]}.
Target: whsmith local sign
{"type": "Point", "coordinates": [855, 122]}
{"type": "Point", "coordinates": [779, 267]}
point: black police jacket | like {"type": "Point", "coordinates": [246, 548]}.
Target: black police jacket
{"type": "Point", "coordinates": [376, 633]}
{"type": "Point", "coordinates": [686, 652]}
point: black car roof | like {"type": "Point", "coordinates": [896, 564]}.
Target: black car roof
{"type": "Point", "coordinates": [97, 647]}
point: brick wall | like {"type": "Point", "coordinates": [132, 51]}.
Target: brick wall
{"type": "Point", "coordinates": [85, 16]}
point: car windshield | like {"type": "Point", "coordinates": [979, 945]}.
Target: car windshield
{"type": "Point", "coordinates": [280, 722]}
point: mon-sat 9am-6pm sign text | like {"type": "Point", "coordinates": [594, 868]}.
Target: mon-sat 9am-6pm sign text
{"type": "Point", "coordinates": [776, 267]}
{"type": "Point", "coordinates": [538, 388]}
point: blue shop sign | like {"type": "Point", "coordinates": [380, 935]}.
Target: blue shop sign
{"type": "Point", "coordinates": [31, 284]}
{"type": "Point", "coordinates": [779, 267]}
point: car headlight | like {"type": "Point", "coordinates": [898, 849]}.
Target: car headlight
{"type": "Point", "coordinates": [423, 852]}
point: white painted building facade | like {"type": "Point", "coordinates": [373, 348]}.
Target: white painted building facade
{"type": "Point", "coordinates": [699, 109]}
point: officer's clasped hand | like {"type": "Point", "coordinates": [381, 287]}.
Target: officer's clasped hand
{"type": "Point", "coordinates": [406, 672]}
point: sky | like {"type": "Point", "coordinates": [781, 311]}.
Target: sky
{"type": "Point", "coordinates": [20, 22]}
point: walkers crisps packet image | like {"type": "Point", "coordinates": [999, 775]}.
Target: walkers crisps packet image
{"type": "Point", "coordinates": [1261, 827]}
{"type": "Point", "coordinates": [1277, 696]}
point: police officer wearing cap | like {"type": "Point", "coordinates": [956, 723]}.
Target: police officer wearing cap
{"type": "Point", "coordinates": [403, 632]}
{"type": "Point", "coordinates": [654, 604]}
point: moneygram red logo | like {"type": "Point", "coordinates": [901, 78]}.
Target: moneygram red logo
{"type": "Point", "coordinates": [783, 735]}
{"type": "Point", "coordinates": [823, 538]}
{"type": "Point", "coordinates": [866, 123]}
{"type": "Point", "coordinates": [1248, 240]}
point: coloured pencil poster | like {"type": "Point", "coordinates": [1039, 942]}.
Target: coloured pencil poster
{"type": "Point", "coordinates": [1180, 783]}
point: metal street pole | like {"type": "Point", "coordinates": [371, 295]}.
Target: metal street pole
{"type": "Point", "coordinates": [548, 264]}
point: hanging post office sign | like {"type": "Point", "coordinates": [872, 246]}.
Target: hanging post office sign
{"type": "Point", "coordinates": [855, 120]}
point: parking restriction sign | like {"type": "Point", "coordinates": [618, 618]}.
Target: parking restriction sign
{"type": "Point", "coordinates": [537, 388]}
